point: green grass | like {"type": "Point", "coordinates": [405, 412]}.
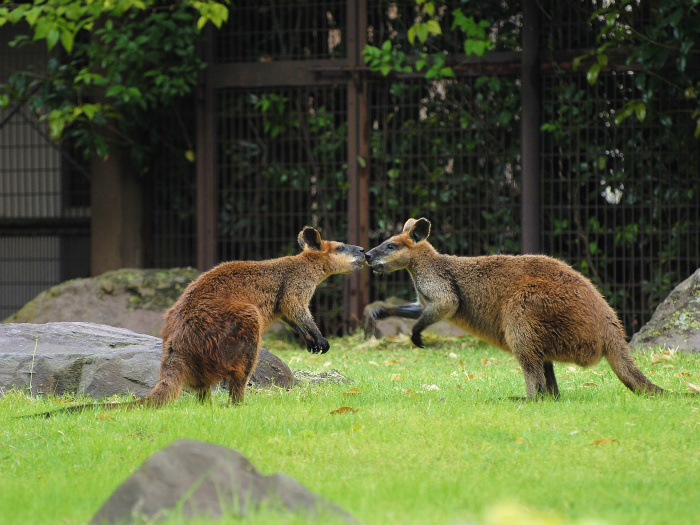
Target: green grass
{"type": "Point", "coordinates": [427, 443]}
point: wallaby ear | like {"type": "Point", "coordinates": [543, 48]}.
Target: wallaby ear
{"type": "Point", "coordinates": [310, 237]}
{"type": "Point", "coordinates": [419, 230]}
{"type": "Point", "coordinates": [409, 224]}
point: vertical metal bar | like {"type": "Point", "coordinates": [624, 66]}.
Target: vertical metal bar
{"type": "Point", "coordinates": [531, 206]}
{"type": "Point", "coordinates": [206, 176]}
{"type": "Point", "coordinates": [357, 285]}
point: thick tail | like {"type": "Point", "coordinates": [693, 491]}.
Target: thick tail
{"type": "Point", "coordinates": [80, 408]}
{"type": "Point", "coordinates": [623, 365]}
{"type": "Point", "coordinates": [164, 392]}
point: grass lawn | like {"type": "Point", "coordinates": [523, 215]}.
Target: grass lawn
{"type": "Point", "coordinates": [433, 438]}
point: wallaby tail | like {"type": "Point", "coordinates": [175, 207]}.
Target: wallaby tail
{"type": "Point", "coordinates": [623, 365]}
{"type": "Point", "coordinates": [164, 392]}
{"type": "Point", "coordinates": [79, 408]}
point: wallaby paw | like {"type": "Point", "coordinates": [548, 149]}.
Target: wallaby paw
{"type": "Point", "coordinates": [379, 313]}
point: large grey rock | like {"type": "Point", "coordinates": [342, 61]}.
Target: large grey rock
{"type": "Point", "coordinates": [97, 360]}
{"type": "Point", "coordinates": [93, 359]}
{"type": "Point", "coordinates": [193, 479]}
{"type": "Point", "coordinates": [676, 321]}
{"type": "Point", "coordinates": [393, 326]}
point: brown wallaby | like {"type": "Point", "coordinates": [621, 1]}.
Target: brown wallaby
{"type": "Point", "coordinates": [537, 308]}
{"type": "Point", "coordinates": [214, 330]}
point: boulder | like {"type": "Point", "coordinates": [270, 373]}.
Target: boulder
{"type": "Point", "coordinates": [132, 298]}
{"type": "Point", "coordinates": [129, 298]}
{"type": "Point", "coordinates": [324, 376]}
{"type": "Point", "coordinates": [393, 326]}
{"type": "Point", "coordinates": [97, 360]}
{"type": "Point", "coordinates": [200, 480]}
{"type": "Point", "coordinates": [676, 321]}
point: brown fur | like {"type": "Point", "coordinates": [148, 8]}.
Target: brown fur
{"type": "Point", "coordinates": [214, 330]}
{"type": "Point", "coordinates": [533, 306]}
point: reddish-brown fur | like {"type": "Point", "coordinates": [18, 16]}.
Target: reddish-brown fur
{"type": "Point", "coordinates": [214, 330]}
{"type": "Point", "coordinates": [533, 306]}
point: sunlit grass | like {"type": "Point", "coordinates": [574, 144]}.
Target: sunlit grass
{"type": "Point", "coordinates": [433, 437]}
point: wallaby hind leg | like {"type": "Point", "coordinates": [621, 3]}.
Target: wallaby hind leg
{"type": "Point", "coordinates": [239, 350]}
{"type": "Point", "coordinates": [204, 395]}
{"type": "Point", "coordinates": [533, 370]}
{"type": "Point", "coordinates": [238, 379]}
{"type": "Point", "coordinates": [550, 379]}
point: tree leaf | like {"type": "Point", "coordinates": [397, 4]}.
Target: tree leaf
{"type": "Point", "coordinates": [433, 27]}
{"type": "Point", "coordinates": [52, 37]}
{"type": "Point", "coordinates": [412, 34]}
{"type": "Point", "coordinates": [641, 111]}
{"type": "Point", "coordinates": [67, 38]}
{"type": "Point", "coordinates": [352, 392]}
{"type": "Point", "coordinates": [593, 72]}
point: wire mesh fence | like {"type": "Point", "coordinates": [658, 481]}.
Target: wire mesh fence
{"type": "Point", "coordinates": [619, 202]}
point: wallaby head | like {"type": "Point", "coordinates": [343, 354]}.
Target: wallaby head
{"type": "Point", "coordinates": [336, 257]}
{"type": "Point", "coordinates": [395, 253]}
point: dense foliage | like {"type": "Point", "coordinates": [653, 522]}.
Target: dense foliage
{"type": "Point", "coordinates": [111, 64]}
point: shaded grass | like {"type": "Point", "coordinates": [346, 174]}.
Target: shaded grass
{"type": "Point", "coordinates": [434, 438]}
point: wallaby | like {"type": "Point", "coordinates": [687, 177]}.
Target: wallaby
{"type": "Point", "coordinates": [537, 308]}
{"type": "Point", "coordinates": [214, 330]}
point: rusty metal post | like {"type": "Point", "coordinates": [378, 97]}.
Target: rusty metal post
{"type": "Point", "coordinates": [357, 284]}
{"type": "Point", "coordinates": [531, 204]}
{"type": "Point", "coordinates": [206, 176]}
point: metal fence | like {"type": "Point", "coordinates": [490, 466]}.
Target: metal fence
{"type": "Point", "coordinates": [44, 199]}
{"type": "Point", "coordinates": [290, 128]}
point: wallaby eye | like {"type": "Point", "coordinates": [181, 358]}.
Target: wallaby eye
{"type": "Point", "coordinates": [340, 249]}
{"type": "Point", "coordinates": [391, 246]}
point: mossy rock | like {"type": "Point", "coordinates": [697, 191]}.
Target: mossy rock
{"type": "Point", "coordinates": [676, 322]}
{"type": "Point", "coordinates": [129, 298]}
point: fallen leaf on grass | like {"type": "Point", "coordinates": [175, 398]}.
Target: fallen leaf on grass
{"type": "Point", "coordinates": [588, 385]}
{"type": "Point", "coordinates": [105, 416]}
{"type": "Point", "coordinates": [660, 358]}
{"type": "Point", "coordinates": [342, 410]}
{"type": "Point", "coordinates": [352, 392]}
{"type": "Point", "coordinates": [389, 362]}
{"type": "Point", "coordinates": [519, 440]}
{"type": "Point", "coordinates": [409, 392]}
{"type": "Point", "coordinates": [396, 378]}
{"type": "Point", "coordinates": [484, 361]}
{"type": "Point", "coordinates": [431, 387]}
{"type": "Point", "coordinates": [694, 388]}
{"type": "Point", "coordinates": [603, 441]}
{"type": "Point", "coordinates": [452, 355]}
{"type": "Point", "coordinates": [373, 363]}
{"type": "Point", "coordinates": [356, 428]}
{"type": "Point", "coordinates": [464, 374]}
